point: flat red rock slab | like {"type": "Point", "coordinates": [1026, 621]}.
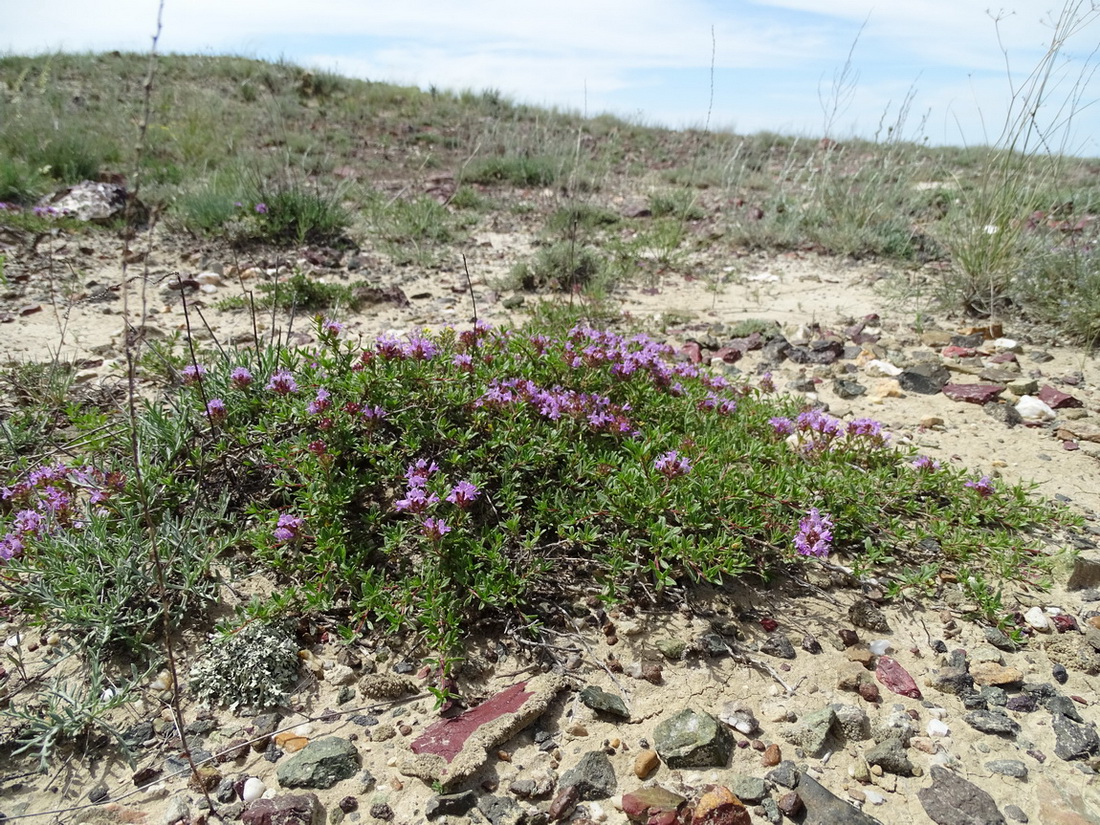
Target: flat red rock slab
{"type": "Point", "coordinates": [958, 352]}
{"type": "Point", "coordinates": [1058, 400]}
{"type": "Point", "coordinates": [447, 737]}
{"type": "Point", "coordinates": [972, 393]}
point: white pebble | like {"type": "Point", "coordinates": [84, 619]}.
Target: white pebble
{"type": "Point", "coordinates": [208, 278]}
{"type": "Point", "coordinates": [880, 646]}
{"type": "Point", "coordinates": [1031, 408]}
{"type": "Point", "coordinates": [1037, 619]}
{"type": "Point", "coordinates": [253, 789]}
{"type": "Point", "coordinates": [938, 728]}
{"type": "Point", "coordinates": [14, 641]}
{"type": "Point", "coordinates": [596, 812]}
{"type": "Point", "coordinates": [303, 730]}
{"type": "Point", "coordinates": [874, 797]}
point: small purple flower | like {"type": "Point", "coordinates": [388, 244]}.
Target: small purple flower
{"type": "Point", "coordinates": [464, 362]}
{"type": "Point", "coordinates": [288, 528]}
{"type": "Point", "coordinates": [283, 383]}
{"type": "Point", "coordinates": [240, 377]}
{"type": "Point", "coordinates": [815, 534]}
{"type": "Point", "coordinates": [10, 546]}
{"type": "Point", "coordinates": [28, 522]}
{"type": "Point", "coordinates": [373, 414]}
{"type": "Point", "coordinates": [434, 528]}
{"type": "Point", "coordinates": [418, 473]}
{"type": "Point", "coordinates": [924, 464]}
{"type": "Point", "coordinates": [463, 494]}
{"type": "Point", "coordinates": [215, 410]}
{"type": "Point", "coordinates": [672, 464]}
{"type": "Point", "coordinates": [421, 349]}
{"type": "Point", "coordinates": [261, 208]}
{"type": "Point", "coordinates": [319, 404]}
{"type": "Point", "coordinates": [983, 486]}
{"type": "Point", "coordinates": [767, 382]}
{"type": "Point", "coordinates": [781, 426]}
{"type": "Point", "coordinates": [416, 500]}
{"type": "Point", "coordinates": [331, 328]}
{"type": "Point", "coordinates": [192, 374]}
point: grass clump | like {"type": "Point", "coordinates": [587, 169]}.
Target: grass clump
{"type": "Point", "coordinates": [560, 267]}
{"type": "Point", "coordinates": [299, 293]}
{"type": "Point", "coordinates": [518, 170]}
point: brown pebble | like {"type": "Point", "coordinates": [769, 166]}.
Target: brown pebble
{"type": "Point", "coordinates": [1079, 700]}
{"type": "Point", "coordinates": [614, 743]}
{"type": "Point", "coordinates": [860, 654]}
{"type": "Point", "coordinates": [404, 729]}
{"type": "Point", "coordinates": [772, 756]}
{"type": "Point", "coordinates": [790, 804]}
{"type": "Point", "coordinates": [397, 784]}
{"type": "Point", "coordinates": [876, 770]}
{"type": "Point", "coordinates": [848, 637]}
{"type": "Point", "coordinates": [757, 745]}
{"type": "Point", "coordinates": [612, 641]}
{"type": "Point", "coordinates": [645, 763]}
{"type": "Point", "coordinates": [349, 804]}
{"type": "Point", "coordinates": [652, 674]}
{"type": "Point", "coordinates": [857, 794]}
{"type": "Point", "coordinates": [914, 714]}
{"type": "Point", "coordinates": [490, 785]}
{"type": "Point", "coordinates": [869, 692]}
{"type": "Point", "coordinates": [504, 756]}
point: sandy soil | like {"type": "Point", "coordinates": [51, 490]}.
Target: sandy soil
{"type": "Point", "coordinates": [797, 291]}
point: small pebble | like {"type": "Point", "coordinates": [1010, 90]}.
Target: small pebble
{"type": "Point", "coordinates": [1060, 674]}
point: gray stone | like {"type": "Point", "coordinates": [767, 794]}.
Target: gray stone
{"type": "Point", "coordinates": [177, 810]}
{"type": "Point", "coordinates": [811, 731]}
{"type": "Point", "coordinates": [994, 697]}
{"type": "Point", "coordinates": [776, 349]}
{"type": "Point", "coordinates": [501, 810]}
{"type": "Point", "coordinates": [890, 755]}
{"type": "Point", "coordinates": [1014, 813]}
{"type": "Point", "coordinates": [1074, 741]}
{"type": "Point", "coordinates": [452, 804]}
{"type": "Point", "coordinates": [1086, 570]}
{"type": "Point", "coordinates": [864, 614]}
{"type": "Point", "coordinates": [999, 639]}
{"type": "Point", "coordinates": [951, 800]}
{"type": "Point", "coordinates": [673, 649]}
{"type": "Point", "coordinates": [847, 389]}
{"type": "Point", "coordinates": [778, 645]}
{"type": "Point", "coordinates": [692, 739]}
{"type": "Point", "coordinates": [1060, 705]}
{"type": "Point", "coordinates": [771, 811]}
{"type": "Point", "coordinates": [953, 680]}
{"type": "Point", "coordinates": [603, 702]}
{"type": "Point", "coordinates": [320, 764]}
{"type": "Point", "coordinates": [898, 725]}
{"type": "Point", "coordinates": [925, 378]}
{"type": "Point", "coordinates": [749, 789]}
{"type": "Point", "coordinates": [225, 792]}
{"type": "Point", "coordinates": [593, 777]}
{"type": "Point", "coordinates": [284, 809]}
{"type": "Point", "coordinates": [1008, 767]}
{"type": "Point", "coordinates": [995, 722]}
{"type": "Point", "coordinates": [853, 722]}
{"type": "Point", "coordinates": [825, 808]}
{"type": "Point", "coordinates": [786, 773]}
{"type": "Point", "coordinates": [1005, 413]}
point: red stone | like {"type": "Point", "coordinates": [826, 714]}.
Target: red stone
{"type": "Point", "coordinates": [652, 805]}
{"type": "Point", "coordinates": [1064, 623]}
{"type": "Point", "coordinates": [447, 736]}
{"type": "Point", "coordinates": [1056, 399]}
{"type": "Point", "coordinates": [1003, 358]}
{"type": "Point", "coordinates": [958, 352]}
{"type": "Point", "coordinates": [896, 678]}
{"type": "Point", "coordinates": [730, 355]}
{"type": "Point", "coordinates": [973, 393]}
{"type": "Point", "coordinates": [693, 351]}
{"type": "Point", "coordinates": [769, 624]}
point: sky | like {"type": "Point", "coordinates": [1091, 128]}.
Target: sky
{"type": "Point", "coordinates": [941, 71]}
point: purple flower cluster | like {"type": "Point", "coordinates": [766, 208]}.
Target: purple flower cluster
{"type": "Point", "coordinates": [192, 374]}
{"type": "Point", "coordinates": [817, 431]}
{"type": "Point", "coordinates": [321, 403]}
{"type": "Point", "coordinates": [240, 378]}
{"type": "Point", "coordinates": [283, 383]}
{"type": "Point", "coordinates": [261, 208]}
{"type": "Point", "coordinates": [983, 486]}
{"type": "Point", "coordinates": [417, 348]}
{"type": "Point", "coordinates": [557, 403]}
{"type": "Point", "coordinates": [215, 410]}
{"type": "Point", "coordinates": [288, 528]}
{"type": "Point", "coordinates": [331, 328]}
{"type": "Point", "coordinates": [470, 338]}
{"type": "Point", "coordinates": [419, 499]}
{"type": "Point", "coordinates": [672, 465]}
{"type": "Point", "coordinates": [815, 534]}
{"type": "Point", "coordinates": [46, 501]}
{"type": "Point", "coordinates": [924, 464]}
